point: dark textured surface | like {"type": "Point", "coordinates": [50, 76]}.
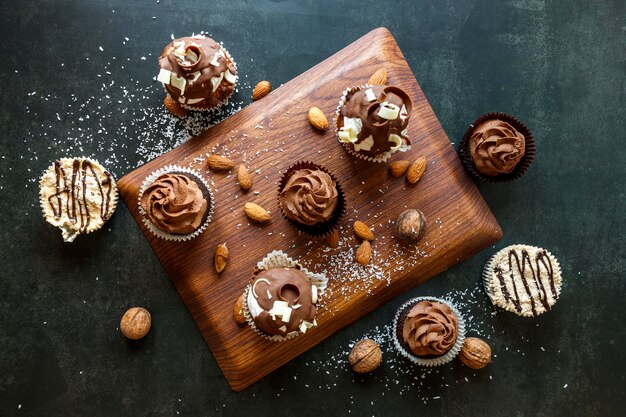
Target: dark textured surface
{"type": "Point", "coordinates": [557, 66]}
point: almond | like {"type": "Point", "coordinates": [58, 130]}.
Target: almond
{"type": "Point", "coordinates": [220, 259]}
{"type": "Point", "coordinates": [416, 170]}
{"type": "Point", "coordinates": [363, 231]}
{"type": "Point", "coordinates": [379, 77]}
{"type": "Point", "coordinates": [333, 239]}
{"type": "Point", "coordinates": [256, 213]}
{"type": "Point", "coordinates": [317, 119]}
{"type": "Point", "coordinates": [238, 311]}
{"type": "Point", "coordinates": [243, 178]}
{"type": "Point", "coordinates": [261, 90]}
{"type": "Point", "coordinates": [173, 107]}
{"type": "Point", "coordinates": [364, 253]}
{"type": "Point", "coordinates": [398, 168]}
{"type": "Point", "coordinates": [219, 163]}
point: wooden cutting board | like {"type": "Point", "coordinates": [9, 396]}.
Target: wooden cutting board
{"type": "Point", "coordinates": [271, 134]}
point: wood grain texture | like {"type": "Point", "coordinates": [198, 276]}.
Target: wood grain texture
{"type": "Point", "coordinates": [271, 134]}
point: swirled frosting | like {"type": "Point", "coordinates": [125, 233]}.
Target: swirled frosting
{"type": "Point", "coordinates": [174, 203]}
{"type": "Point", "coordinates": [374, 119]}
{"type": "Point", "coordinates": [496, 147]}
{"type": "Point", "coordinates": [309, 196]}
{"type": "Point", "coordinates": [197, 71]}
{"type": "Point", "coordinates": [430, 328]}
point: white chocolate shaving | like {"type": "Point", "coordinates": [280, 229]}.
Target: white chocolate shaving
{"type": "Point", "coordinates": [230, 77]}
{"type": "Point", "coordinates": [366, 145]}
{"type": "Point", "coordinates": [286, 314]}
{"type": "Point", "coordinates": [397, 140]}
{"type": "Point", "coordinates": [313, 294]}
{"type": "Point", "coordinates": [351, 128]}
{"type": "Point", "coordinates": [403, 113]}
{"type": "Point", "coordinates": [256, 283]}
{"type": "Point", "coordinates": [214, 60]}
{"type": "Point", "coordinates": [296, 306]}
{"type": "Point", "coordinates": [253, 306]}
{"type": "Point", "coordinates": [178, 82]}
{"type": "Point", "coordinates": [303, 327]}
{"type": "Point", "coordinates": [216, 81]}
{"type": "Point", "coordinates": [182, 99]}
{"type": "Point", "coordinates": [283, 329]}
{"type": "Point", "coordinates": [388, 111]}
{"type": "Point", "coordinates": [164, 76]}
{"type": "Point", "coordinates": [195, 75]}
{"type": "Point", "coordinates": [369, 93]}
{"type": "Point", "coordinates": [194, 100]}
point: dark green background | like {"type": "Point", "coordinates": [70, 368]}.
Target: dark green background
{"type": "Point", "coordinates": [558, 66]}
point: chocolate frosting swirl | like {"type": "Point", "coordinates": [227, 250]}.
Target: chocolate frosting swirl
{"type": "Point", "coordinates": [430, 328]}
{"type": "Point", "coordinates": [309, 196]}
{"type": "Point", "coordinates": [496, 147]}
{"type": "Point", "coordinates": [174, 203]}
{"type": "Point", "coordinates": [375, 135]}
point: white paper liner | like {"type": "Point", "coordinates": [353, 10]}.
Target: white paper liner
{"type": "Point", "coordinates": [221, 103]}
{"type": "Point", "coordinates": [155, 230]}
{"type": "Point", "coordinates": [279, 259]}
{"type": "Point", "coordinates": [488, 283]}
{"type": "Point", "coordinates": [381, 157]}
{"type": "Point", "coordinates": [43, 200]}
{"type": "Point", "coordinates": [441, 360]}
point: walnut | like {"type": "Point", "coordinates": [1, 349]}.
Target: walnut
{"type": "Point", "coordinates": [135, 323]}
{"type": "Point", "coordinates": [475, 353]}
{"type": "Point", "coordinates": [411, 225]}
{"type": "Point", "coordinates": [365, 356]}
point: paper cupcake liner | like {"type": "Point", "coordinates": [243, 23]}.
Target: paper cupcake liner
{"type": "Point", "coordinates": [383, 157]}
{"type": "Point", "coordinates": [522, 166]}
{"type": "Point", "coordinates": [154, 229]}
{"type": "Point", "coordinates": [488, 284]}
{"type": "Point", "coordinates": [91, 228]}
{"type": "Point", "coordinates": [440, 360]}
{"type": "Point", "coordinates": [279, 259]}
{"type": "Point", "coordinates": [220, 104]}
{"type": "Point", "coordinates": [319, 229]}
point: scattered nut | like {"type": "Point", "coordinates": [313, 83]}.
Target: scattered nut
{"type": "Point", "coordinates": [398, 168]}
{"type": "Point", "coordinates": [261, 90]}
{"type": "Point", "coordinates": [364, 253]}
{"type": "Point", "coordinates": [416, 170]}
{"type": "Point", "coordinates": [173, 107]}
{"type": "Point", "coordinates": [135, 323]}
{"type": "Point", "coordinates": [379, 77]}
{"type": "Point", "coordinates": [220, 258]}
{"type": "Point", "coordinates": [333, 239]}
{"type": "Point", "coordinates": [317, 119]}
{"type": "Point", "coordinates": [410, 225]}
{"type": "Point", "coordinates": [475, 353]}
{"type": "Point", "coordinates": [243, 178]}
{"type": "Point", "coordinates": [219, 163]}
{"type": "Point", "coordinates": [365, 356]}
{"type": "Point", "coordinates": [256, 213]}
{"type": "Point", "coordinates": [238, 311]}
{"type": "Point", "coordinates": [363, 231]}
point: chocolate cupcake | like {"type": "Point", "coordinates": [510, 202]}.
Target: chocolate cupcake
{"type": "Point", "coordinates": [311, 198]}
{"type": "Point", "coordinates": [428, 331]}
{"type": "Point", "coordinates": [523, 279]}
{"type": "Point", "coordinates": [497, 148]}
{"type": "Point", "coordinates": [282, 300]}
{"type": "Point", "coordinates": [371, 121]}
{"type": "Point", "coordinates": [175, 203]}
{"type": "Point", "coordinates": [77, 195]}
{"type": "Point", "coordinates": [197, 72]}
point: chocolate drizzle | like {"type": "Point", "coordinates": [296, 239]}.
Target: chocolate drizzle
{"type": "Point", "coordinates": [526, 272]}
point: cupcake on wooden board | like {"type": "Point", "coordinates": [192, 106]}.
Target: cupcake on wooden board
{"type": "Point", "coordinates": [371, 121]}
{"type": "Point", "coordinates": [282, 300]}
{"type": "Point", "coordinates": [77, 195]}
{"type": "Point", "coordinates": [197, 72]}
{"type": "Point", "coordinates": [175, 203]}
{"type": "Point", "coordinates": [428, 331]}
{"type": "Point", "coordinates": [497, 147]}
{"type": "Point", "coordinates": [311, 198]}
{"type": "Point", "coordinates": [525, 280]}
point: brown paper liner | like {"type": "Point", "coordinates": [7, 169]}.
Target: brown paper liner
{"type": "Point", "coordinates": [322, 229]}
{"type": "Point", "coordinates": [522, 166]}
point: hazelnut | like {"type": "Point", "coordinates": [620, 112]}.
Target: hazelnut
{"type": "Point", "coordinates": [475, 353]}
{"type": "Point", "coordinates": [411, 225]}
{"type": "Point", "coordinates": [240, 318]}
{"type": "Point", "coordinates": [365, 356]}
{"type": "Point", "coordinates": [135, 323]}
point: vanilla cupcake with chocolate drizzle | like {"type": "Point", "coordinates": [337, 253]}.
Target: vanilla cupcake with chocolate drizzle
{"type": "Point", "coordinates": [197, 72]}
{"type": "Point", "coordinates": [77, 195]}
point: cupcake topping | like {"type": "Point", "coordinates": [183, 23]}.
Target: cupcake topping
{"type": "Point", "coordinates": [374, 119]}
{"type": "Point", "coordinates": [77, 195]}
{"type": "Point", "coordinates": [496, 147]}
{"type": "Point", "coordinates": [309, 196]}
{"type": "Point", "coordinates": [282, 301]}
{"type": "Point", "coordinates": [197, 69]}
{"type": "Point", "coordinates": [174, 203]}
{"type": "Point", "coordinates": [430, 328]}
